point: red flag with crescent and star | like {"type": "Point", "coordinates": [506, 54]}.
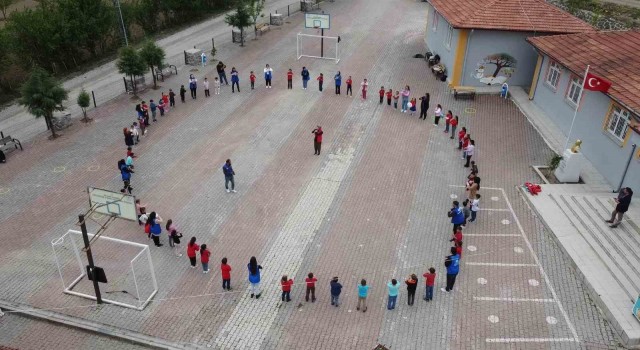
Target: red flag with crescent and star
{"type": "Point", "coordinates": [595, 83]}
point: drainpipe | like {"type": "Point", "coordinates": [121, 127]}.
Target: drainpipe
{"type": "Point", "coordinates": [633, 151]}
{"type": "Point", "coordinates": [466, 53]}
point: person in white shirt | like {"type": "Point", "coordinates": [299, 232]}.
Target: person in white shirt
{"type": "Point", "coordinates": [475, 206]}
{"type": "Point", "coordinates": [268, 74]}
{"type": "Point", "coordinates": [469, 152]}
{"type": "Point", "coordinates": [206, 87]}
{"type": "Point", "coordinates": [216, 85]}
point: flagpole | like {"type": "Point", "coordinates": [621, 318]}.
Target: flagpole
{"type": "Point", "coordinates": [575, 112]}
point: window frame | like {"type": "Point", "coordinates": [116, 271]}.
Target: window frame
{"type": "Point", "coordinates": [616, 114]}
{"type": "Point", "coordinates": [551, 68]}
{"type": "Point", "coordinates": [434, 27]}
{"type": "Point", "coordinates": [448, 37]}
{"type": "Point", "coordinates": [567, 96]}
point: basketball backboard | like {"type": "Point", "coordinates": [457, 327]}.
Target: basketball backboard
{"type": "Point", "coordinates": [317, 20]}
{"type": "Point", "coordinates": [111, 203]}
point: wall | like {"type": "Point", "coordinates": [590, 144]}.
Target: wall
{"type": "Point", "coordinates": [483, 43]}
{"type": "Point", "coordinates": [436, 40]}
{"type": "Point", "coordinates": [605, 152]}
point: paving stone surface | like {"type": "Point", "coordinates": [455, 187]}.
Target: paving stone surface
{"type": "Point", "coordinates": [371, 206]}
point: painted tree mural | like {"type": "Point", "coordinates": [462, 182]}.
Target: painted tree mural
{"type": "Point", "coordinates": [500, 60]}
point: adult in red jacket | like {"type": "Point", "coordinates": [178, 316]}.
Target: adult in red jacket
{"type": "Point", "coordinates": [317, 139]}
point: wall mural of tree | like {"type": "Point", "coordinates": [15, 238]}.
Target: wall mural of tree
{"type": "Point", "coordinates": [503, 63]}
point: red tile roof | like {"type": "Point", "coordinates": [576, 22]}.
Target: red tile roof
{"type": "Point", "coordinates": [510, 15]}
{"type": "Point", "coordinates": [611, 55]}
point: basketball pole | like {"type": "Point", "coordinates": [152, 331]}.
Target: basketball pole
{"type": "Point", "coordinates": [87, 248]}
{"type": "Point", "coordinates": [322, 43]}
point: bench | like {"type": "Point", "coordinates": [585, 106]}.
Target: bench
{"type": "Point", "coordinates": [8, 143]}
{"type": "Point", "coordinates": [263, 28]}
{"type": "Point", "coordinates": [168, 70]}
{"type": "Point", "coordinates": [464, 92]}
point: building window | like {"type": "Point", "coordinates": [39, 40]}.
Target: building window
{"type": "Point", "coordinates": [553, 74]}
{"type": "Point", "coordinates": [435, 21]}
{"type": "Point", "coordinates": [447, 40]}
{"type": "Point", "coordinates": [573, 93]}
{"type": "Point", "coordinates": [619, 122]}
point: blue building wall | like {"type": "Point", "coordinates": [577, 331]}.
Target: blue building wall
{"type": "Point", "coordinates": [605, 152]}
{"type": "Point", "coordinates": [483, 43]}
{"type": "Point", "coordinates": [435, 40]}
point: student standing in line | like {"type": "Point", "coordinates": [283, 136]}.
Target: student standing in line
{"type": "Point", "coordinates": [622, 206]}
{"type": "Point", "coordinates": [381, 93]}
{"type": "Point", "coordinates": [227, 169]}
{"type": "Point", "coordinates": [254, 277]}
{"type": "Point", "coordinates": [128, 137]}
{"type": "Point", "coordinates": [457, 236]}
{"type": "Point", "coordinates": [405, 98]}
{"type": "Point", "coordinates": [364, 86]}
{"type": "Point", "coordinates": [154, 221]}
{"type": "Point", "coordinates": [447, 120]}
{"type": "Point", "coordinates": [286, 288]}
{"type": "Point", "coordinates": [140, 209]}
{"type": "Point", "coordinates": [221, 74]}
{"type": "Point", "coordinates": [320, 80]}
{"type": "Point", "coordinates": [193, 86]}
{"type": "Point", "coordinates": [153, 107]}
{"type": "Point", "coordinates": [469, 151]}
{"type": "Point", "coordinates": [474, 188]}
{"type": "Point", "coordinates": [165, 98]}
{"type": "Point", "coordinates": [338, 79]}
{"type": "Point", "coordinates": [389, 95]}
{"type": "Point", "coordinates": [412, 286]}
{"type": "Point", "coordinates": [465, 144]}
{"type": "Point", "coordinates": [268, 74]}
{"type": "Point", "coordinates": [458, 246]}
{"type": "Point", "coordinates": [424, 106]}
{"type": "Point", "coordinates": [183, 93]}
{"type": "Point", "coordinates": [252, 79]}
{"type": "Point", "coordinates": [225, 270]}
{"type": "Point", "coordinates": [396, 97]}
{"type": "Point", "coordinates": [466, 212]}
{"type": "Point", "coordinates": [206, 87]}
{"type": "Point", "coordinates": [412, 106]}
{"type": "Point", "coordinates": [305, 77]}
{"type": "Point", "coordinates": [317, 139]}
{"type": "Point", "coordinates": [430, 279]}
{"type": "Point", "coordinates": [162, 106]}
{"type": "Point", "coordinates": [125, 173]}
{"type": "Point", "coordinates": [172, 98]}
{"type": "Point", "coordinates": [349, 87]}
{"type": "Point", "coordinates": [205, 254]}
{"type": "Point", "coordinates": [363, 291]}
{"type": "Point", "coordinates": [192, 248]}
{"type": "Point", "coordinates": [216, 86]}
{"type": "Point", "coordinates": [452, 262]}
{"type": "Point", "coordinates": [235, 79]}
{"type": "Point", "coordinates": [456, 215]}
{"type": "Point", "coordinates": [290, 79]}
{"type": "Point", "coordinates": [454, 124]}
{"type": "Point", "coordinates": [438, 115]}
{"type": "Point", "coordinates": [311, 287]}
{"type": "Point", "coordinates": [394, 289]}
{"type": "Point", "coordinates": [336, 289]}
{"type": "Point", "coordinates": [174, 237]}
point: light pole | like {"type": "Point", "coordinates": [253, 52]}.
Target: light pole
{"type": "Point", "coordinates": [116, 3]}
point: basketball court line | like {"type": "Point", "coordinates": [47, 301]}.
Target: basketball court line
{"type": "Point", "coordinates": [515, 300]}
{"type": "Point", "coordinates": [530, 340]}
{"type": "Point", "coordinates": [499, 264]}
{"type": "Point", "coordinates": [491, 235]}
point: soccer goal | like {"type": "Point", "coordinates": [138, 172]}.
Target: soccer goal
{"type": "Point", "coordinates": [317, 46]}
{"type": "Point", "coordinates": [130, 274]}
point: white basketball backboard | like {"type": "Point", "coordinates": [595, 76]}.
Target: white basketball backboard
{"type": "Point", "coordinates": [317, 20]}
{"type": "Point", "coordinates": [111, 203]}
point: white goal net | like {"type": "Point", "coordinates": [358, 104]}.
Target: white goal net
{"type": "Point", "coordinates": [131, 279]}
{"type": "Point", "coordinates": [317, 46]}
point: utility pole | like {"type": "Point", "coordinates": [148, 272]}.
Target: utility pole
{"type": "Point", "coordinates": [116, 3]}
{"type": "Point", "coordinates": [87, 248]}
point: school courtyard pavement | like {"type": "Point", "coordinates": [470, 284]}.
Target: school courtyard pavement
{"type": "Point", "coordinates": [371, 206]}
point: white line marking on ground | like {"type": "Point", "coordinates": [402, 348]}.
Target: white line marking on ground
{"type": "Point", "coordinates": [491, 235]}
{"type": "Point", "coordinates": [483, 187]}
{"type": "Point", "coordinates": [529, 340]}
{"type": "Point", "coordinates": [498, 264]}
{"type": "Point", "coordinates": [515, 300]}
{"type": "Point", "coordinates": [491, 209]}
{"type": "Point", "coordinates": [542, 272]}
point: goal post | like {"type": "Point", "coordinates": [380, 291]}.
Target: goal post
{"type": "Point", "coordinates": [310, 45]}
{"type": "Point", "coordinates": [131, 281]}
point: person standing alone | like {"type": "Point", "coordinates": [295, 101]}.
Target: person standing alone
{"type": "Point", "coordinates": [305, 77]}
{"type": "Point", "coordinates": [268, 74]}
{"type": "Point", "coordinates": [338, 80]}
{"type": "Point", "coordinates": [193, 86]}
{"type": "Point", "coordinates": [228, 176]}
{"type": "Point", "coordinates": [317, 139]}
{"type": "Point", "coordinates": [622, 206]}
{"type": "Point", "coordinates": [424, 106]}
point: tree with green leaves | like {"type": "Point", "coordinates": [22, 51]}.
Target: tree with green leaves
{"type": "Point", "coordinates": [42, 95]}
{"type": "Point", "coordinates": [239, 19]}
{"type": "Point", "coordinates": [153, 56]}
{"type": "Point", "coordinates": [4, 6]}
{"type": "Point", "coordinates": [84, 101]}
{"type": "Point", "coordinates": [130, 64]}
{"type": "Point", "coordinates": [255, 10]}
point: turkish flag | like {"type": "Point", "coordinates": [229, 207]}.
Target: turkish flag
{"type": "Point", "coordinates": [595, 83]}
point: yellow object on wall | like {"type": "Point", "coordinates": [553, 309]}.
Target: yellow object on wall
{"type": "Point", "coordinates": [461, 50]}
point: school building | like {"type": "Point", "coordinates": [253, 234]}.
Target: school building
{"type": "Point", "coordinates": [483, 42]}
{"type": "Point", "coordinates": [607, 123]}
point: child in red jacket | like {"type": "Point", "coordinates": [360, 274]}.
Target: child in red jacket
{"type": "Point", "coordinates": [457, 236]}
{"type": "Point", "coordinates": [430, 278]}
{"type": "Point", "coordinates": [226, 274]}
{"type": "Point", "coordinates": [320, 80]}
{"type": "Point", "coordinates": [389, 95]}
{"type": "Point", "coordinates": [381, 93]}
{"type": "Point", "coordinates": [286, 288]}
{"type": "Point", "coordinates": [252, 78]}
{"type": "Point", "coordinates": [454, 125]}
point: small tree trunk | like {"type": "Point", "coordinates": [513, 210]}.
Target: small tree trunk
{"type": "Point", "coordinates": [49, 122]}
{"type": "Point", "coordinates": [84, 113]}
{"type": "Point", "coordinates": [241, 36]}
{"type": "Point", "coordinates": [153, 75]}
